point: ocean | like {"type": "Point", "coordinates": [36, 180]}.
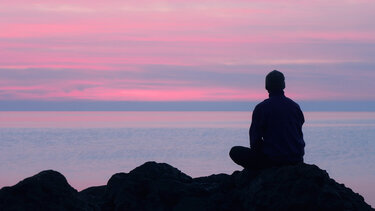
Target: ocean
{"type": "Point", "coordinates": [89, 147]}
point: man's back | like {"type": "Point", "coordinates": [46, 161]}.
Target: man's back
{"type": "Point", "coordinates": [277, 129]}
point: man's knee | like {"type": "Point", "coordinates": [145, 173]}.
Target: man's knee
{"type": "Point", "coordinates": [233, 152]}
{"type": "Point", "coordinates": [239, 153]}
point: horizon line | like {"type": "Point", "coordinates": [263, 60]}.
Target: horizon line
{"type": "Point", "coordinates": [89, 105]}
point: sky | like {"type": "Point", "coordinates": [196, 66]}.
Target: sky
{"type": "Point", "coordinates": [145, 50]}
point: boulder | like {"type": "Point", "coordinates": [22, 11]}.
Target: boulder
{"type": "Point", "coordinates": [155, 186]}
{"type": "Point", "coordinates": [159, 186]}
{"type": "Point", "coordinates": [47, 190]}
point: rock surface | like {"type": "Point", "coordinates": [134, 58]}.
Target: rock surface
{"type": "Point", "coordinates": [47, 190]}
{"type": "Point", "coordinates": [159, 186]}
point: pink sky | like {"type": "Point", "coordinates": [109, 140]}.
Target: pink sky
{"type": "Point", "coordinates": [185, 50]}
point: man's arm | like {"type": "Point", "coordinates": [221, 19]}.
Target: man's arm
{"type": "Point", "coordinates": [302, 120]}
{"type": "Point", "coordinates": [255, 132]}
{"type": "Point", "coordinates": [302, 116]}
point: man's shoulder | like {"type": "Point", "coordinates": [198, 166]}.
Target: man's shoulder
{"type": "Point", "coordinates": [269, 103]}
{"type": "Point", "coordinates": [292, 102]}
{"type": "Point", "coordinates": [263, 103]}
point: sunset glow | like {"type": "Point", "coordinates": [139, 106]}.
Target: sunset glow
{"type": "Point", "coordinates": [185, 50]}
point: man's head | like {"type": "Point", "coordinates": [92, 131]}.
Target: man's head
{"type": "Point", "coordinates": [275, 81]}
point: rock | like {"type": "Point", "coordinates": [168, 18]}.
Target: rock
{"type": "Point", "coordinates": [159, 186]}
{"type": "Point", "coordinates": [47, 190]}
{"type": "Point", "coordinates": [94, 196]}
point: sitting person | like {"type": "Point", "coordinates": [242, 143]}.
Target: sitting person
{"type": "Point", "coordinates": [276, 130]}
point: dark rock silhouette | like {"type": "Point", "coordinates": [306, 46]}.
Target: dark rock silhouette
{"type": "Point", "coordinates": [159, 186]}
{"type": "Point", "coordinates": [47, 190]}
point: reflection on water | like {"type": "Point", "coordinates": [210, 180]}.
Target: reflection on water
{"type": "Point", "coordinates": [80, 143]}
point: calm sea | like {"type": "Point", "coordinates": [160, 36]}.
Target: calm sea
{"type": "Point", "coordinates": [89, 147]}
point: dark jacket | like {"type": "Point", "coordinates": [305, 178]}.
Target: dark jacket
{"type": "Point", "coordinates": [276, 129]}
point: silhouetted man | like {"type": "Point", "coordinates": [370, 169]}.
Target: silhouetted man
{"type": "Point", "coordinates": [276, 130]}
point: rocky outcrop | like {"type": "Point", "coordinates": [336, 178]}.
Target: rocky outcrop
{"type": "Point", "coordinates": [159, 186]}
{"type": "Point", "coordinates": [47, 190]}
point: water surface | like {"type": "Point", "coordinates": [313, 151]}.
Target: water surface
{"type": "Point", "coordinates": [89, 147]}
